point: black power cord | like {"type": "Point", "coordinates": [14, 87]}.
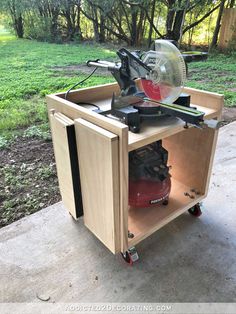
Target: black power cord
{"type": "Point", "coordinates": [79, 83]}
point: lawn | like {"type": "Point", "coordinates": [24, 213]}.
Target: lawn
{"type": "Point", "coordinates": [29, 70]}
{"type": "Point", "coordinates": [28, 73]}
{"type": "Point", "coordinates": [217, 74]}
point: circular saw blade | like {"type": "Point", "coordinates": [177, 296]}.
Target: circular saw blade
{"type": "Point", "coordinates": [166, 80]}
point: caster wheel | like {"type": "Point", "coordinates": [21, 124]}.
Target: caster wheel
{"type": "Point", "coordinates": [134, 129]}
{"type": "Point", "coordinates": [165, 203]}
{"type": "Point", "coordinates": [126, 256]}
{"type": "Point", "coordinates": [130, 256]}
{"type": "Point", "coordinates": [195, 210]}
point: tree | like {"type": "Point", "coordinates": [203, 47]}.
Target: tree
{"type": "Point", "coordinates": [15, 9]}
{"type": "Point", "coordinates": [218, 25]}
{"type": "Point", "coordinates": [203, 17]}
{"type": "Point", "coordinates": [97, 11]}
{"type": "Point", "coordinates": [231, 4]}
{"type": "Point", "coordinates": [176, 15]}
{"type": "Point", "coordinates": [135, 22]}
{"type": "Point", "coordinates": [49, 10]}
{"type": "Point", "coordinates": [70, 10]}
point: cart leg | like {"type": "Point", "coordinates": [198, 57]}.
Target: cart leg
{"type": "Point", "coordinates": [130, 256]}
{"type": "Point", "coordinates": [195, 210]}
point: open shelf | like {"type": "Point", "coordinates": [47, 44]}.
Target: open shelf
{"type": "Point", "coordinates": [142, 222]}
{"type": "Point", "coordinates": [158, 129]}
{"type": "Point", "coordinates": [154, 130]}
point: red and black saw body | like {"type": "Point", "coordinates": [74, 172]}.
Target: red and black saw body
{"type": "Point", "coordinates": [149, 178]}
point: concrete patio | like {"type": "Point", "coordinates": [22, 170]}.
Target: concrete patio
{"type": "Point", "coordinates": [189, 260]}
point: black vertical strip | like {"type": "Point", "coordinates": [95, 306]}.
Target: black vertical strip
{"type": "Point", "coordinates": [75, 170]}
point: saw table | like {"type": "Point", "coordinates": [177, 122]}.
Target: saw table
{"type": "Point", "coordinates": [91, 153]}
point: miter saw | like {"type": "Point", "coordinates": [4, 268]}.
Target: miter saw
{"type": "Point", "coordinates": [161, 74]}
{"type": "Point", "coordinates": [150, 88]}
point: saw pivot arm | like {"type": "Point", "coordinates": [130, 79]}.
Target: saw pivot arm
{"type": "Point", "coordinates": [126, 71]}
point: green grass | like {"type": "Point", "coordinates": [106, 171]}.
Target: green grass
{"type": "Point", "coordinates": [5, 36]}
{"type": "Point", "coordinates": [28, 72]}
{"type": "Point", "coordinates": [217, 74]}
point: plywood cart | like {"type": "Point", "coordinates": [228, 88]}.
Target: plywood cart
{"type": "Point", "coordinates": [91, 154]}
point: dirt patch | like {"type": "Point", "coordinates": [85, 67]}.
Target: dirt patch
{"type": "Point", "coordinates": [28, 180]}
{"type": "Point", "coordinates": [207, 71]}
{"type": "Point", "coordinates": [229, 114]}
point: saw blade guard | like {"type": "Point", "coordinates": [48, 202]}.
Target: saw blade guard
{"type": "Point", "coordinates": [166, 80]}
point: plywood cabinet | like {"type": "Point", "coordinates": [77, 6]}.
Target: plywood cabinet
{"type": "Point", "coordinates": [102, 146]}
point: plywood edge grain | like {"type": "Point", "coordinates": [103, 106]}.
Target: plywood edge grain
{"type": "Point", "coordinates": [74, 111]}
{"type": "Point", "coordinates": [96, 129]}
{"type": "Point", "coordinates": [92, 89]}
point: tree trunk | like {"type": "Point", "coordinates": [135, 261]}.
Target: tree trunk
{"type": "Point", "coordinates": [70, 27]}
{"type": "Point", "coordinates": [170, 19]}
{"type": "Point", "coordinates": [151, 24]}
{"type": "Point", "coordinates": [17, 19]}
{"type": "Point", "coordinates": [102, 29]}
{"type": "Point", "coordinates": [96, 31]}
{"type": "Point", "coordinates": [78, 27]}
{"type": "Point", "coordinates": [18, 26]}
{"type": "Point", "coordinates": [177, 32]}
{"type": "Point", "coordinates": [54, 25]}
{"type": "Point", "coordinates": [217, 27]}
{"type": "Point", "coordinates": [95, 25]}
{"type": "Point", "coordinates": [177, 27]}
{"type": "Point", "coordinates": [140, 30]}
{"type": "Point", "coordinates": [133, 35]}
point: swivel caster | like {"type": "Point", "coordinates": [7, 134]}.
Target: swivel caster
{"type": "Point", "coordinates": [195, 210]}
{"type": "Point", "coordinates": [165, 202]}
{"type": "Point", "coordinates": [130, 256]}
{"type": "Point", "coordinates": [134, 128]}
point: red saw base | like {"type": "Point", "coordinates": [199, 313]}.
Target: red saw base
{"type": "Point", "coordinates": [146, 193]}
{"type": "Point", "coordinates": [156, 91]}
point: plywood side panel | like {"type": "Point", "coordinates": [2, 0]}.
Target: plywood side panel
{"type": "Point", "coordinates": [98, 154]}
{"type": "Point", "coordinates": [91, 94]}
{"type": "Point", "coordinates": [191, 154]}
{"type": "Point", "coordinates": [206, 99]}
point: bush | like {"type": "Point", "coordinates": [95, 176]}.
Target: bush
{"type": "Point", "coordinates": [39, 28]}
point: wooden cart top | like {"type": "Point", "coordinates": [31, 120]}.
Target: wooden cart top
{"type": "Point", "coordinates": [210, 103]}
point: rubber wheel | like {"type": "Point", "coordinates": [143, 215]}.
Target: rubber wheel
{"type": "Point", "coordinates": [165, 203]}
{"type": "Point", "coordinates": [126, 256]}
{"type": "Point", "coordinates": [195, 210]}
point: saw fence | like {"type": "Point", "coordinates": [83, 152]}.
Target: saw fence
{"type": "Point", "coordinates": [91, 153]}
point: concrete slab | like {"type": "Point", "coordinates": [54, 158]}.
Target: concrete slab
{"type": "Point", "coordinates": [189, 260]}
